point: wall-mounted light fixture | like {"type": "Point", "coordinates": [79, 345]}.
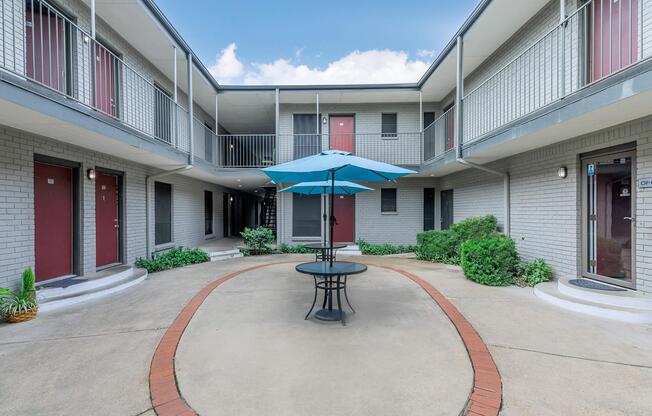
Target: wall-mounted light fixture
{"type": "Point", "coordinates": [562, 172]}
{"type": "Point", "coordinates": [90, 174]}
{"type": "Point", "coordinates": [324, 120]}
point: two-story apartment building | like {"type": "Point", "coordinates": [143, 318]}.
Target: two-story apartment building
{"type": "Point", "coordinates": [538, 112]}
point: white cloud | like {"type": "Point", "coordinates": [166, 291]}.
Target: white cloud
{"type": "Point", "coordinates": [426, 53]}
{"type": "Point", "coordinates": [227, 66]}
{"type": "Point", "coordinates": [358, 67]}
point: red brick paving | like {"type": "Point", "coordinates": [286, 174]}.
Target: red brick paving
{"type": "Point", "coordinates": [485, 399]}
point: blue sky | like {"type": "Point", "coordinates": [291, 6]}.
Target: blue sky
{"type": "Point", "coordinates": [291, 41]}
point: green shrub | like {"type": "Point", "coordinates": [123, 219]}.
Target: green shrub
{"type": "Point", "coordinates": [25, 300]}
{"type": "Point", "coordinates": [28, 282]}
{"type": "Point", "coordinates": [170, 259]}
{"type": "Point", "coordinates": [257, 239]}
{"type": "Point", "coordinates": [492, 261]}
{"type": "Point", "coordinates": [288, 249]}
{"type": "Point", "coordinates": [383, 249]}
{"type": "Point", "coordinates": [532, 273]}
{"type": "Point", "coordinates": [444, 246]}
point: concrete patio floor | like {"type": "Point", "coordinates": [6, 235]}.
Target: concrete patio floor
{"type": "Point", "coordinates": [248, 346]}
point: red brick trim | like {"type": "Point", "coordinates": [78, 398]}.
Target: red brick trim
{"type": "Point", "coordinates": [487, 395]}
{"type": "Point", "coordinates": [485, 399]}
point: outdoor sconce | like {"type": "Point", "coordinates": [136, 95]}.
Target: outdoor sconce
{"type": "Point", "coordinates": [562, 172]}
{"type": "Point", "coordinates": [324, 120]}
{"type": "Point", "coordinates": [86, 39]}
{"type": "Point", "coordinates": [90, 173]}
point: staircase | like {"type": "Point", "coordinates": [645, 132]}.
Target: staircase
{"type": "Point", "coordinates": [74, 290]}
{"type": "Point", "coordinates": [225, 254]}
{"type": "Point", "coordinates": [621, 305]}
{"type": "Point", "coordinates": [268, 214]}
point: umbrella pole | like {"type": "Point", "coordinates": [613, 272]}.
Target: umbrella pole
{"type": "Point", "coordinates": [332, 216]}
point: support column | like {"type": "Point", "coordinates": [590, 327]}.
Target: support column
{"type": "Point", "coordinates": [459, 94]}
{"type": "Point", "coordinates": [321, 145]}
{"type": "Point", "coordinates": [175, 97]}
{"type": "Point", "coordinates": [93, 19]}
{"type": "Point", "coordinates": [421, 126]}
{"type": "Point", "coordinates": [277, 117]}
{"type": "Point", "coordinates": [191, 138]}
{"type": "Point", "coordinates": [562, 10]}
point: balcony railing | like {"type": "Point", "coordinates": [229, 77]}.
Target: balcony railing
{"type": "Point", "coordinates": [599, 39]}
{"type": "Point", "coordinates": [439, 136]}
{"type": "Point", "coordinates": [41, 44]}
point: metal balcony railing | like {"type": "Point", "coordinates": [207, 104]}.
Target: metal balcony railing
{"type": "Point", "coordinates": [43, 45]}
{"type": "Point", "coordinates": [599, 39]}
{"type": "Point", "coordinates": [439, 136]}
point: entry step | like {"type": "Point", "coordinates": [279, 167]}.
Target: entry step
{"type": "Point", "coordinates": [225, 254]}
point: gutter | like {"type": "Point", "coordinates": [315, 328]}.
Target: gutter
{"type": "Point", "coordinates": [148, 181]}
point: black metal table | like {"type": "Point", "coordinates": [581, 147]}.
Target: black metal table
{"type": "Point", "coordinates": [334, 276]}
{"type": "Point", "coordinates": [324, 248]}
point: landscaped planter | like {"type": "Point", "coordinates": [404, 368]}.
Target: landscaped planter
{"type": "Point", "coordinates": [22, 316]}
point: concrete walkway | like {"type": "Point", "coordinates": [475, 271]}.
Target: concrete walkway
{"type": "Point", "coordinates": [95, 358]}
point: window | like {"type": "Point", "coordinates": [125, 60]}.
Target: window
{"type": "Point", "coordinates": [307, 140]}
{"type": "Point", "coordinates": [389, 128]}
{"type": "Point", "coordinates": [306, 215]}
{"type": "Point", "coordinates": [208, 213]}
{"type": "Point", "coordinates": [162, 213]}
{"type": "Point", "coordinates": [388, 200]}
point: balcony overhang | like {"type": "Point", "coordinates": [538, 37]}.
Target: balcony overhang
{"type": "Point", "coordinates": [621, 98]}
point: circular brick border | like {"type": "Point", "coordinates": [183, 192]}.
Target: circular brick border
{"type": "Point", "coordinates": [484, 400]}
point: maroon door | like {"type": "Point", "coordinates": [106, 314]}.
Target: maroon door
{"type": "Point", "coordinates": [615, 36]}
{"type": "Point", "coordinates": [105, 80]}
{"type": "Point", "coordinates": [344, 210]}
{"type": "Point", "coordinates": [53, 216]}
{"type": "Point", "coordinates": [106, 219]}
{"type": "Point", "coordinates": [342, 133]}
{"type": "Point", "coordinates": [45, 55]}
{"type": "Point", "coordinates": [342, 137]}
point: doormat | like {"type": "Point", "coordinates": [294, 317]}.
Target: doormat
{"type": "Point", "coordinates": [590, 284]}
{"type": "Point", "coordinates": [64, 283]}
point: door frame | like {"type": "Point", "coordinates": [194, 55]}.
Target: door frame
{"type": "Point", "coordinates": [355, 127]}
{"type": "Point", "coordinates": [626, 149]}
{"type": "Point", "coordinates": [121, 215]}
{"type": "Point", "coordinates": [77, 225]}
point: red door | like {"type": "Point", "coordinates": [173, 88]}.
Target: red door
{"type": "Point", "coordinates": [106, 219]}
{"type": "Point", "coordinates": [53, 218]}
{"type": "Point", "coordinates": [342, 133]}
{"type": "Point", "coordinates": [342, 137]}
{"type": "Point", "coordinates": [45, 55]}
{"type": "Point", "coordinates": [615, 36]}
{"type": "Point", "coordinates": [104, 80]}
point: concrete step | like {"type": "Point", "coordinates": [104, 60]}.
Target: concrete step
{"type": "Point", "coordinates": [550, 292]}
{"type": "Point", "coordinates": [624, 298]}
{"type": "Point", "coordinates": [350, 250]}
{"type": "Point", "coordinates": [86, 288]}
{"type": "Point", "coordinates": [225, 254]}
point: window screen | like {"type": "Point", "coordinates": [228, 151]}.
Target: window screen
{"type": "Point", "coordinates": [208, 213]}
{"type": "Point", "coordinates": [162, 213]}
{"type": "Point", "coordinates": [389, 128]}
{"type": "Point", "coordinates": [306, 215]}
{"type": "Point", "coordinates": [388, 200]}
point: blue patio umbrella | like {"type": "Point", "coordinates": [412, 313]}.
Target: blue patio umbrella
{"type": "Point", "coordinates": [332, 165]}
{"type": "Point", "coordinates": [325, 187]}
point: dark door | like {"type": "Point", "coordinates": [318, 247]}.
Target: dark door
{"type": "Point", "coordinates": [46, 46]}
{"type": "Point", "coordinates": [615, 36]}
{"type": "Point", "coordinates": [342, 133]}
{"type": "Point", "coordinates": [449, 119]}
{"type": "Point", "coordinates": [428, 209]}
{"type": "Point", "coordinates": [53, 218]}
{"type": "Point", "coordinates": [107, 222]}
{"type": "Point", "coordinates": [446, 209]}
{"type": "Point", "coordinates": [428, 118]}
{"type": "Point", "coordinates": [307, 140]}
{"type": "Point", "coordinates": [163, 111]}
{"type": "Point", "coordinates": [208, 143]}
{"type": "Point", "coordinates": [106, 64]}
{"type": "Point", "coordinates": [344, 211]}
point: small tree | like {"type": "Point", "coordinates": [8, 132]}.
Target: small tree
{"type": "Point", "coordinates": [257, 239]}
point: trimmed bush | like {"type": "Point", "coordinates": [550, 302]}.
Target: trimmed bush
{"type": "Point", "coordinates": [492, 261]}
{"type": "Point", "coordinates": [444, 246]}
{"type": "Point", "coordinates": [288, 249]}
{"type": "Point", "coordinates": [257, 239]}
{"type": "Point", "coordinates": [534, 272]}
{"type": "Point", "coordinates": [173, 258]}
{"type": "Point", "coordinates": [383, 249]}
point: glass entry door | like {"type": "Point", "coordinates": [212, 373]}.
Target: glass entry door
{"type": "Point", "coordinates": [609, 222]}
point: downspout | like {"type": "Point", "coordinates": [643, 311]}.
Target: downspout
{"type": "Point", "coordinates": [148, 181]}
{"type": "Point", "coordinates": [459, 118]}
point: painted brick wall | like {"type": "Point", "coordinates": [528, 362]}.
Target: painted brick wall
{"type": "Point", "coordinates": [12, 55]}
{"type": "Point", "coordinates": [545, 210]}
{"type": "Point", "coordinates": [17, 203]}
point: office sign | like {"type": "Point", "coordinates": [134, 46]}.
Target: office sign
{"type": "Point", "coordinates": [645, 183]}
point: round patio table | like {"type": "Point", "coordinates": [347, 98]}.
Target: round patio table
{"type": "Point", "coordinates": [334, 276]}
{"type": "Point", "coordinates": [324, 248]}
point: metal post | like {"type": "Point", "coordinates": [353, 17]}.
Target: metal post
{"type": "Point", "coordinates": [562, 10]}
{"type": "Point", "coordinates": [191, 147]}
{"type": "Point", "coordinates": [174, 95]}
{"type": "Point", "coordinates": [318, 120]}
{"type": "Point", "coordinates": [176, 84]}
{"type": "Point", "coordinates": [459, 93]}
{"type": "Point", "coordinates": [93, 19]}
{"type": "Point", "coordinates": [277, 118]}
{"type": "Point", "coordinates": [217, 113]}
{"type": "Point", "coordinates": [421, 125]}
